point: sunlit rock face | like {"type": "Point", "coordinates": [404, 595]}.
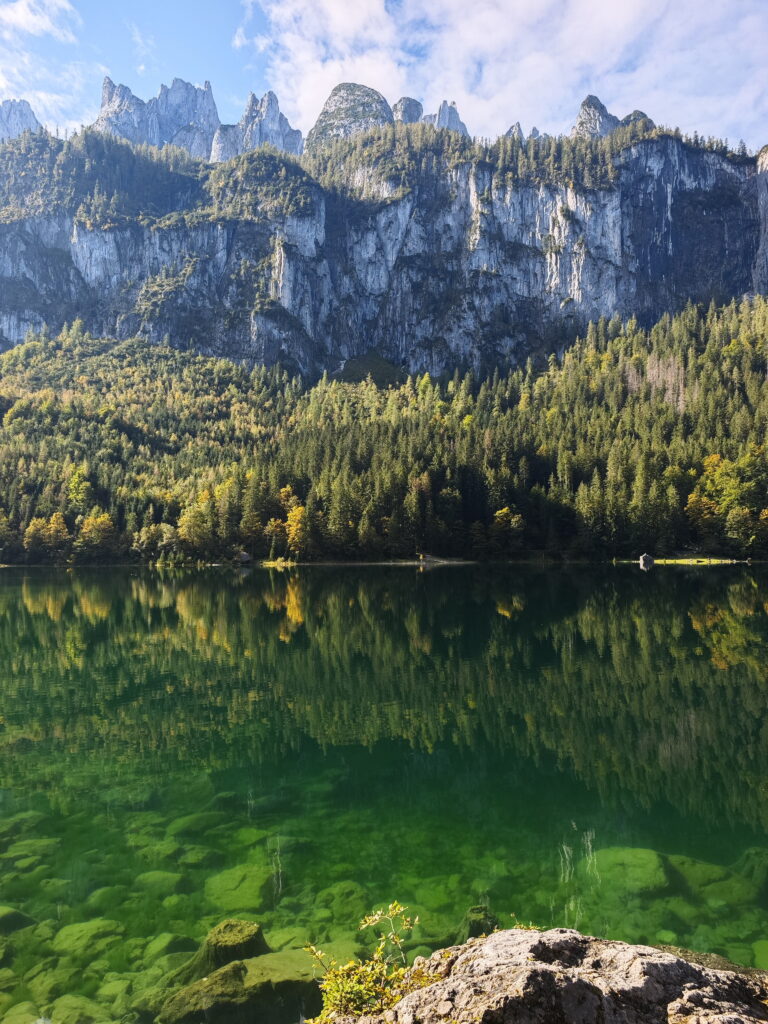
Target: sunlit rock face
{"type": "Point", "coordinates": [262, 122]}
{"type": "Point", "coordinates": [17, 117]}
{"type": "Point", "coordinates": [462, 267]}
{"type": "Point", "coordinates": [447, 116]}
{"type": "Point", "coordinates": [185, 115]}
{"type": "Point", "coordinates": [408, 110]}
{"type": "Point", "coordinates": [349, 110]}
{"type": "Point", "coordinates": [182, 115]}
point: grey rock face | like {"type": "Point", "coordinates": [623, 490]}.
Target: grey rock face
{"type": "Point", "coordinates": [532, 977]}
{"type": "Point", "coordinates": [261, 123]}
{"type": "Point", "coordinates": [593, 120]}
{"type": "Point", "coordinates": [407, 110]}
{"type": "Point", "coordinates": [635, 116]}
{"type": "Point", "coordinates": [182, 115]}
{"type": "Point", "coordinates": [516, 132]}
{"type": "Point", "coordinates": [528, 264]}
{"type": "Point", "coordinates": [349, 110]}
{"type": "Point", "coordinates": [447, 116]}
{"type": "Point", "coordinates": [17, 117]}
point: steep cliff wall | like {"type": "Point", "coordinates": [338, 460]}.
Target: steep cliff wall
{"type": "Point", "coordinates": [463, 267]}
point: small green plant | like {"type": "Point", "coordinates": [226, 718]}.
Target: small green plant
{"type": "Point", "coordinates": [370, 986]}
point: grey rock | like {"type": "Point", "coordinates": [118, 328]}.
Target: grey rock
{"type": "Point", "coordinates": [447, 116]}
{"type": "Point", "coordinates": [407, 110]}
{"type": "Point", "coordinates": [593, 120]}
{"type": "Point", "coordinates": [516, 132]}
{"type": "Point", "coordinates": [349, 110]}
{"type": "Point", "coordinates": [533, 977]}
{"type": "Point", "coordinates": [262, 123]}
{"type": "Point", "coordinates": [636, 116]}
{"type": "Point", "coordinates": [343, 277]}
{"type": "Point", "coordinates": [182, 115]}
{"type": "Point", "coordinates": [17, 117]}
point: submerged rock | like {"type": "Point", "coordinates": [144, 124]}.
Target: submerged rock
{"type": "Point", "coordinates": [89, 938]}
{"type": "Point", "coordinates": [477, 921]}
{"type": "Point", "coordinates": [625, 869]}
{"type": "Point", "coordinates": [227, 942]}
{"type": "Point", "coordinates": [243, 887]}
{"type": "Point", "coordinates": [533, 977]}
{"type": "Point", "coordinates": [13, 920]}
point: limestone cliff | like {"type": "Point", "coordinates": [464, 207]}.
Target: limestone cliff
{"type": "Point", "coordinates": [461, 266]}
{"type": "Point", "coordinates": [16, 116]}
{"type": "Point", "coordinates": [349, 110]}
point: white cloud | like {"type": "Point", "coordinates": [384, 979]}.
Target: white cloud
{"type": "Point", "coordinates": [54, 88]}
{"type": "Point", "coordinates": [695, 64]}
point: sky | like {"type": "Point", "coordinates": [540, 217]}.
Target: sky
{"type": "Point", "coordinates": [697, 64]}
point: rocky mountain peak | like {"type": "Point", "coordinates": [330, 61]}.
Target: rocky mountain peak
{"type": "Point", "coordinates": [636, 116]}
{"type": "Point", "coordinates": [516, 132]}
{"type": "Point", "coordinates": [181, 115]}
{"type": "Point", "coordinates": [447, 116]}
{"type": "Point", "coordinates": [349, 110]}
{"type": "Point", "coordinates": [17, 117]}
{"type": "Point", "coordinates": [408, 110]}
{"type": "Point", "coordinates": [593, 120]}
{"type": "Point", "coordinates": [262, 122]}
{"type": "Point", "coordinates": [762, 161]}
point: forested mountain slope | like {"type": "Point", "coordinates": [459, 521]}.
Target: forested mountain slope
{"type": "Point", "coordinates": [636, 440]}
{"type": "Point", "coordinates": [423, 245]}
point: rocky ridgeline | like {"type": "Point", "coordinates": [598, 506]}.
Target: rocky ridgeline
{"type": "Point", "coordinates": [186, 116]}
{"type": "Point", "coordinates": [352, 109]}
{"type": "Point", "coordinates": [592, 122]}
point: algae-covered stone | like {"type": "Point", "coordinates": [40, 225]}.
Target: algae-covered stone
{"type": "Point", "coordinates": [18, 824]}
{"type": "Point", "coordinates": [477, 921]}
{"type": "Point", "coordinates": [195, 824]}
{"type": "Point", "coordinates": [8, 979]}
{"type": "Point", "coordinates": [199, 857]}
{"type": "Point", "coordinates": [88, 937]}
{"type": "Point", "coordinates": [159, 883]}
{"type": "Point", "coordinates": [168, 942]}
{"type": "Point", "coordinates": [22, 1013]}
{"type": "Point", "coordinates": [288, 938]}
{"type": "Point", "coordinates": [51, 978]}
{"type": "Point", "coordinates": [73, 1009]}
{"type": "Point", "coordinates": [108, 897]}
{"type": "Point", "coordinates": [347, 900]}
{"type": "Point", "coordinates": [733, 891]}
{"type": "Point", "coordinates": [760, 954]}
{"type": "Point", "coordinates": [696, 873]}
{"type": "Point", "coordinates": [244, 887]}
{"type": "Point", "coordinates": [13, 920]}
{"type": "Point", "coordinates": [42, 848]}
{"type": "Point", "coordinates": [626, 870]}
{"type": "Point", "coordinates": [220, 996]}
{"type": "Point", "coordinates": [228, 941]}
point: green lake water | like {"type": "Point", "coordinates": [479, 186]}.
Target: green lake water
{"type": "Point", "coordinates": [583, 748]}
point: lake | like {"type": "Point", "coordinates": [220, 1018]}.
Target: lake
{"type": "Point", "coordinates": [582, 747]}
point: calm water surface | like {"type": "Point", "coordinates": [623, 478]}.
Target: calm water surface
{"type": "Point", "coordinates": [573, 748]}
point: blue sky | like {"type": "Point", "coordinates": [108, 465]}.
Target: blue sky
{"type": "Point", "coordinates": [698, 64]}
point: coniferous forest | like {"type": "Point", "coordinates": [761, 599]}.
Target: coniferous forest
{"type": "Point", "coordinates": [635, 440]}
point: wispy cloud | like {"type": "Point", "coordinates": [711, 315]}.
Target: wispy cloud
{"type": "Point", "coordinates": [53, 87]}
{"type": "Point", "coordinates": [144, 47]}
{"type": "Point", "coordinates": [698, 65]}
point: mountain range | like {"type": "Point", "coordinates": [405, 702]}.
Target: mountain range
{"type": "Point", "coordinates": [385, 230]}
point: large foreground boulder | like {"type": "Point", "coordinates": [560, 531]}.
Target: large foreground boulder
{"type": "Point", "coordinates": [562, 977]}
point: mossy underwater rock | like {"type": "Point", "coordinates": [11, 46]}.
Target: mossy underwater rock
{"type": "Point", "coordinates": [13, 920]}
{"type": "Point", "coordinates": [477, 921]}
{"type": "Point", "coordinates": [72, 1009]}
{"type": "Point", "coordinates": [229, 941]}
{"type": "Point", "coordinates": [88, 938]}
{"type": "Point", "coordinates": [276, 987]}
{"type": "Point", "coordinates": [245, 887]}
{"type": "Point", "coordinates": [625, 870]}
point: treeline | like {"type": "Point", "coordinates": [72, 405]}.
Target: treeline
{"type": "Point", "coordinates": [636, 440]}
{"type": "Point", "coordinates": [106, 182]}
